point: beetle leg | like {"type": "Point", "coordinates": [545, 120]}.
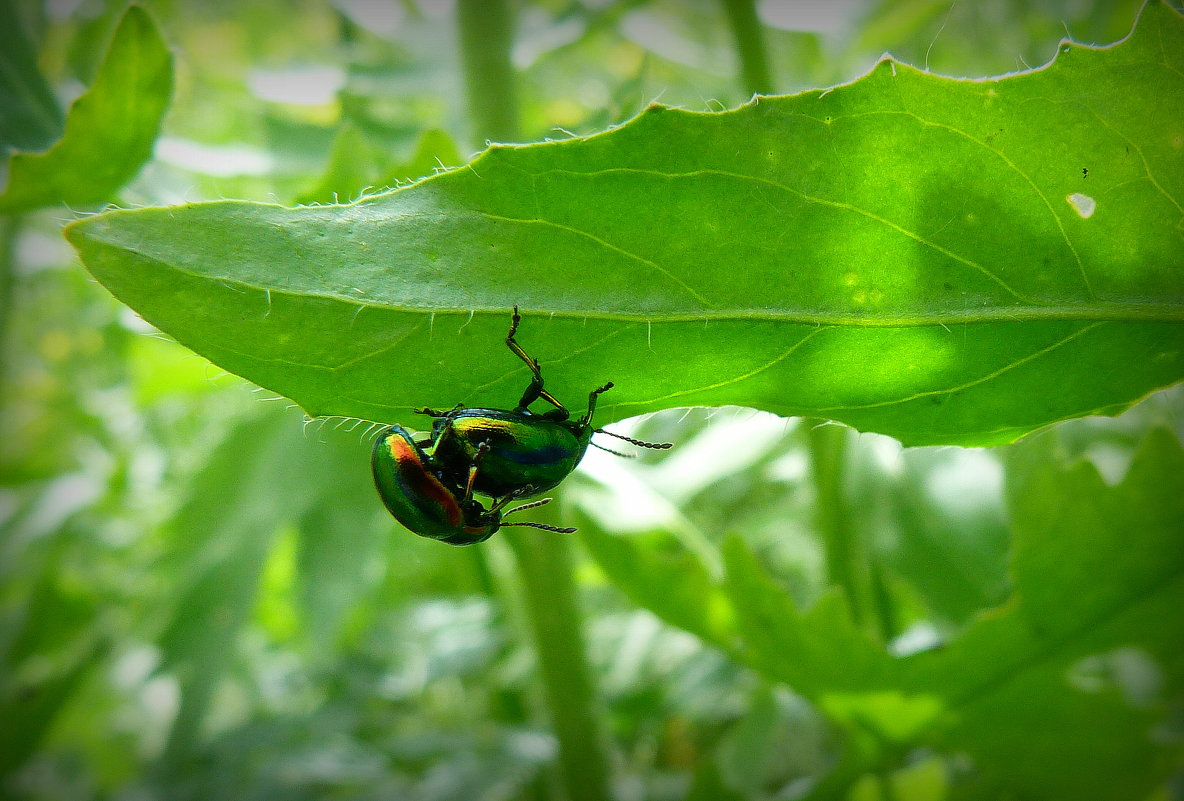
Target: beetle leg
{"type": "Point", "coordinates": [436, 412]}
{"type": "Point", "coordinates": [515, 318]}
{"type": "Point", "coordinates": [535, 390]}
{"type": "Point", "coordinates": [482, 449]}
{"type": "Point", "coordinates": [587, 418]}
{"type": "Point", "coordinates": [442, 428]}
{"type": "Point", "coordinates": [502, 502]}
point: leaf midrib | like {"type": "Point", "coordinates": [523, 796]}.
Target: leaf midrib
{"type": "Point", "coordinates": [1091, 312]}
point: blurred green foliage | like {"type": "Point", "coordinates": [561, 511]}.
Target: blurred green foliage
{"type": "Point", "coordinates": [201, 597]}
{"type": "Point", "coordinates": [110, 129]}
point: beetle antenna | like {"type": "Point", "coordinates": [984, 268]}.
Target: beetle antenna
{"type": "Point", "coordinates": [531, 505]}
{"type": "Point", "coordinates": [658, 446]}
{"type": "Point", "coordinates": [544, 527]}
{"type": "Point", "coordinates": [610, 450]}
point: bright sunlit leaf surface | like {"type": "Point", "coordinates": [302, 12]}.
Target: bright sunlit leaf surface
{"type": "Point", "coordinates": [941, 260]}
{"type": "Point", "coordinates": [109, 131]}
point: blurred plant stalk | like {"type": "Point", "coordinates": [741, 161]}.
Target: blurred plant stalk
{"type": "Point", "coordinates": [544, 559]}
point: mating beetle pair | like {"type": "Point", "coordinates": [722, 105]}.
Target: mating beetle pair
{"type": "Point", "coordinates": [410, 486]}
{"type": "Point", "coordinates": [505, 454]}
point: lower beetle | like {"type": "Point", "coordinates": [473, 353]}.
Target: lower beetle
{"type": "Point", "coordinates": [412, 490]}
{"type": "Point", "coordinates": [516, 452]}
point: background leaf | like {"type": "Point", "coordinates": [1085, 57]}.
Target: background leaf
{"type": "Point", "coordinates": [1065, 691]}
{"type": "Point", "coordinates": [110, 130]}
{"type": "Point", "coordinates": [1089, 644]}
{"type": "Point", "coordinates": [29, 115]}
{"type": "Point", "coordinates": [800, 648]}
{"type": "Point", "coordinates": [839, 253]}
{"type": "Point", "coordinates": [356, 161]}
{"type": "Point", "coordinates": [673, 585]}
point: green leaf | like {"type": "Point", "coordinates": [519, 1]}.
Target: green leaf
{"type": "Point", "coordinates": [910, 254]}
{"type": "Point", "coordinates": [29, 113]}
{"type": "Point", "coordinates": [357, 164]}
{"type": "Point", "coordinates": [1067, 692]}
{"type": "Point", "coordinates": [354, 163]}
{"type": "Point", "coordinates": [110, 129]}
{"type": "Point", "coordinates": [264, 473]}
{"type": "Point", "coordinates": [340, 545]}
{"type": "Point", "coordinates": [953, 547]}
{"type": "Point", "coordinates": [670, 582]}
{"type": "Point", "coordinates": [31, 711]}
{"type": "Point", "coordinates": [708, 785]}
{"type": "Point", "coordinates": [816, 652]}
{"type": "Point", "coordinates": [749, 748]}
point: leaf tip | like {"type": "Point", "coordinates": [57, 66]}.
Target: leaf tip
{"type": "Point", "coordinates": [79, 231]}
{"type": "Point", "coordinates": [138, 23]}
{"type": "Point", "coordinates": [71, 232]}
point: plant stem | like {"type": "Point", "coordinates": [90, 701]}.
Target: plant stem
{"type": "Point", "coordinates": [545, 565]}
{"type": "Point", "coordinates": [486, 37]}
{"type": "Point", "coordinates": [828, 447]}
{"type": "Point", "coordinates": [849, 561]}
{"type": "Point", "coordinates": [9, 233]}
{"type": "Point", "coordinates": [886, 617]}
{"type": "Point", "coordinates": [750, 45]}
{"type": "Point", "coordinates": [544, 559]}
{"type": "Point", "coordinates": [886, 787]}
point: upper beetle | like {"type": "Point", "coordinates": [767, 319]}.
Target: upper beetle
{"type": "Point", "coordinates": [515, 452]}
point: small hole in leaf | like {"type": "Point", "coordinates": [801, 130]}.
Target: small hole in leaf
{"type": "Point", "coordinates": [1082, 204]}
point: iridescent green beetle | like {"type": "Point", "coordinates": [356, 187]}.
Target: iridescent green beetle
{"type": "Point", "coordinates": [516, 452]}
{"type": "Point", "coordinates": [414, 493]}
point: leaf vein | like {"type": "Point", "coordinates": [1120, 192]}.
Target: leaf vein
{"type": "Point", "coordinates": [1142, 157]}
{"type": "Point", "coordinates": [606, 244]}
{"type": "Point", "coordinates": [1056, 218]}
{"type": "Point", "coordinates": [735, 379]}
{"type": "Point", "coordinates": [815, 200]}
{"type": "Point", "coordinates": [976, 382]}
